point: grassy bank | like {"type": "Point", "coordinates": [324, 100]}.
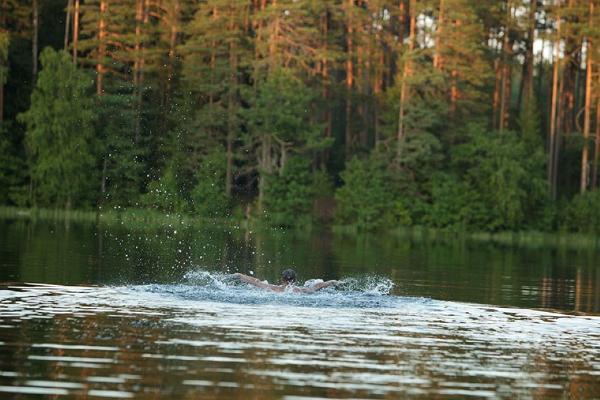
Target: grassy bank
{"type": "Point", "coordinates": [142, 218]}
{"type": "Point", "coordinates": [126, 217]}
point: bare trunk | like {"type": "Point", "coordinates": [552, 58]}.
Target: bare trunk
{"type": "Point", "coordinates": [231, 109]}
{"type": "Point", "coordinates": [325, 80]}
{"type": "Point", "coordinates": [505, 85]}
{"type": "Point", "coordinates": [68, 24]}
{"type": "Point", "coordinates": [360, 73]}
{"type": "Point", "coordinates": [137, 67]}
{"type": "Point", "coordinates": [377, 90]}
{"type": "Point", "coordinates": [560, 117]}
{"type": "Point", "coordinates": [587, 109]}
{"type": "Point", "coordinates": [273, 39]}
{"type": "Point", "coordinates": [34, 46]}
{"type": "Point", "coordinates": [213, 60]}
{"type": "Point", "coordinates": [553, 113]}
{"type": "Point", "coordinates": [174, 32]}
{"type": "Point", "coordinates": [526, 89]}
{"type": "Point", "coordinates": [349, 77]}
{"type": "Point", "coordinates": [454, 93]}
{"type": "Point", "coordinates": [496, 97]}
{"type": "Point", "coordinates": [596, 147]}
{"type": "Point", "coordinates": [75, 31]}
{"type": "Point", "coordinates": [100, 70]}
{"type": "Point", "coordinates": [437, 58]}
{"type": "Point", "coordinates": [259, 28]}
{"type": "Point", "coordinates": [3, 25]}
{"type": "Point", "coordinates": [405, 75]}
{"type": "Point", "coordinates": [103, 179]}
{"type": "Point", "coordinates": [265, 166]}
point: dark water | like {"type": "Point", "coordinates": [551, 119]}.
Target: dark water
{"type": "Point", "coordinates": [88, 311]}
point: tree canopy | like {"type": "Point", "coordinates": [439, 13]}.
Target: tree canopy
{"type": "Point", "coordinates": [443, 113]}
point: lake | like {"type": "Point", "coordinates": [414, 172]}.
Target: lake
{"type": "Point", "coordinates": [107, 311]}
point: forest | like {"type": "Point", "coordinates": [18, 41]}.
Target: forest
{"type": "Point", "coordinates": [464, 114]}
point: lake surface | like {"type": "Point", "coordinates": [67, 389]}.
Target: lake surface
{"type": "Point", "coordinates": [109, 312]}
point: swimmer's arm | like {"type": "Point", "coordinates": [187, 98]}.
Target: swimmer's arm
{"type": "Point", "coordinates": [324, 285]}
{"type": "Point", "coordinates": [320, 286]}
{"type": "Point", "coordinates": [255, 282]}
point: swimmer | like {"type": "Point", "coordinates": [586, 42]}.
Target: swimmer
{"type": "Point", "coordinates": [288, 282]}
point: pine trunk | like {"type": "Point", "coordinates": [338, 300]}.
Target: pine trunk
{"type": "Point", "coordinates": [3, 25]}
{"type": "Point", "coordinates": [75, 31]}
{"type": "Point", "coordinates": [273, 39]}
{"type": "Point", "coordinates": [437, 58]}
{"type": "Point", "coordinates": [526, 89]}
{"type": "Point", "coordinates": [496, 96]}
{"type": "Point", "coordinates": [405, 75]}
{"type": "Point", "coordinates": [349, 77]}
{"type": "Point", "coordinates": [553, 113]}
{"type": "Point", "coordinates": [67, 24]}
{"type": "Point", "coordinates": [231, 109]}
{"type": "Point", "coordinates": [34, 46]}
{"type": "Point", "coordinates": [505, 84]}
{"type": "Point", "coordinates": [587, 109]}
{"type": "Point", "coordinates": [173, 34]}
{"type": "Point", "coordinates": [560, 117]}
{"type": "Point", "coordinates": [137, 67]}
{"type": "Point", "coordinates": [102, 32]}
{"type": "Point", "coordinates": [596, 147]}
{"type": "Point", "coordinates": [325, 82]}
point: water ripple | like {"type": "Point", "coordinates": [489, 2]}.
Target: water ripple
{"type": "Point", "coordinates": [227, 340]}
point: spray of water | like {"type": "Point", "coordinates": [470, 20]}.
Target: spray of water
{"type": "Point", "coordinates": [200, 284]}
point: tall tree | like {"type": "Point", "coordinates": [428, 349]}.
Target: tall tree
{"type": "Point", "coordinates": [588, 102]}
{"type": "Point", "coordinates": [60, 132]}
{"type": "Point", "coordinates": [4, 43]}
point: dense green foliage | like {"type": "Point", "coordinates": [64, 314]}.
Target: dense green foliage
{"type": "Point", "coordinates": [374, 114]}
{"type": "Point", "coordinates": [60, 134]}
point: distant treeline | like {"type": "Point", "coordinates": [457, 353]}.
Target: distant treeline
{"type": "Point", "coordinates": [482, 115]}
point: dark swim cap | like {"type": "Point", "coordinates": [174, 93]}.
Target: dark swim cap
{"type": "Point", "coordinates": [289, 275]}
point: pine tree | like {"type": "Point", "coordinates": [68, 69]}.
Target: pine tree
{"type": "Point", "coordinates": [213, 68]}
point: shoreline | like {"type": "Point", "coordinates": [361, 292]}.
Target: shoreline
{"type": "Point", "coordinates": [144, 218]}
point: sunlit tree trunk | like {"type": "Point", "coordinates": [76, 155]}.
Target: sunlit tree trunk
{"type": "Point", "coordinates": [75, 30]}
{"type": "Point", "coordinates": [349, 76]}
{"type": "Point", "coordinates": [274, 37]}
{"type": "Point", "coordinates": [173, 35]}
{"type": "Point", "coordinates": [496, 96]}
{"type": "Point", "coordinates": [587, 108]}
{"type": "Point", "coordinates": [526, 89]}
{"type": "Point", "coordinates": [596, 146]}
{"type": "Point", "coordinates": [137, 67]}
{"type": "Point", "coordinates": [454, 83]}
{"type": "Point", "coordinates": [505, 82]}
{"type": "Point", "coordinates": [553, 112]}
{"type": "Point", "coordinates": [405, 76]}
{"type": "Point", "coordinates": [560, 118]}
{"type": "Point", "coordinates": [326, 83]}
{"type": "Point", "coordinates": [437, 58]}
{"type": "Point", "coordinates": [213, 60]}
{"type": "Point", "coordinates": [570, 72]}
{"type": "Point", "coordinates": [102, 32]}
{"type": "Point", "coordinates": [231, 108]}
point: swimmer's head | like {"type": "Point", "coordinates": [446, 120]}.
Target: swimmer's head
{"type": "Point", "coordinates": [288, 277]}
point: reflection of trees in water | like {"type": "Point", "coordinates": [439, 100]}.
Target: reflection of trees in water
{"type": "Point", "coordinates": [420, 264]}
{"type": "Point", "coordinates": [581, 293]}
